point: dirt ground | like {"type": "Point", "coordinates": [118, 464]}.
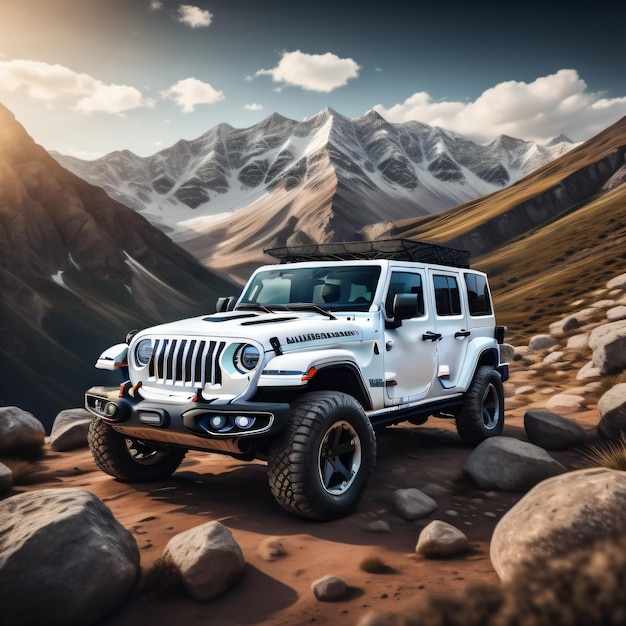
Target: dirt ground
{"type": "Point", "coordinates": [278, 592]}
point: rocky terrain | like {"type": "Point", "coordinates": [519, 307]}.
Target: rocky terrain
{"type": "Point", "coordinates": [437, 517]}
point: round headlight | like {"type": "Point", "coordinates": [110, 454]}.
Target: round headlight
{"type": "Point", "coordinates": [143, 352]}
{"type": "Point", "coordinates": [247, 357]}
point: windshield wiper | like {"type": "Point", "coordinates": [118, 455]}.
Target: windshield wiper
{"type": "Point", "coordinates": [254, 306]}
{"type": "Point", "coordinates": [293, 306]}
{"type": "Point", "coordinates": [304, 306]}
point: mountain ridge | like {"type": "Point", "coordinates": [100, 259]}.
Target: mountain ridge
{"type": "Point", "coordinates": [412, 166]}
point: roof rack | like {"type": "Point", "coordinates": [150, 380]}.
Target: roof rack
{"type": "Point", "coordinates": [393, 249]}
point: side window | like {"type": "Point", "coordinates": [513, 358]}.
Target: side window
{"type": "Point", "coordinates": [405, 282]}
{"type": "Point", "coordinates": [478, 295]}
{"type": "Point", "coordinates": [447, 298]}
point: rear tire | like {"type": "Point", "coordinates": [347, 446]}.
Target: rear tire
{"type": "Point", "coordinates": [482, 414]}
{"type": "Point", "coordinates": [130, 460]}
{"type": "Point", "coordinates": [321, 463]}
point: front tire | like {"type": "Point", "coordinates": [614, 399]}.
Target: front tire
{"type": "Point", "coordinates": [321, 463]}
{"type": "Point", "coordinates": [130, 460]}
{"type": "Point", "coordinates": [482, 414]}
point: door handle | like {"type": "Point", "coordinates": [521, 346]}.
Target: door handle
{"type": "Point", "coordinates": [461, 334]}
{"type": "Point", "coordinates": [431, 336]}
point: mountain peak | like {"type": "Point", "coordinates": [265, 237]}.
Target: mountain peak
{"type": "Point", "coordinates": [560, 139]}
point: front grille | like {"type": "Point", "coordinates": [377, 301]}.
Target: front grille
{"type": "Point", "coordinates": [187, 362]}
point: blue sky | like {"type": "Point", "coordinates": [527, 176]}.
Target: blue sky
{"type": "Point", "coordinates": [86, 77]}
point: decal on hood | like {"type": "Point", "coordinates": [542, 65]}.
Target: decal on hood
{"type": "Point", "coordinates": [317, 336]}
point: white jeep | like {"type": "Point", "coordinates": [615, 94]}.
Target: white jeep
{"type": "Point", "coordinates": [317, 351]}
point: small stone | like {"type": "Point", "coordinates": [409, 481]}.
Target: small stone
{"type": "Point", "coordinates": [328, 588]}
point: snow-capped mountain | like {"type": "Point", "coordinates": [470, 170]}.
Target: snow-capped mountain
{"type": "Point", "coordinates": [342, 173]}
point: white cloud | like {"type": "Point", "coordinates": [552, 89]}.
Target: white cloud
{"type": "Point", "coordinates": [194, 16]}
{"type": "Point", "coordinates": [313, 72]}
{"type": "Point", "coordinates": [538, 111]}
{"type": "Point", "coordinates": [189, 92]}
{"type": "Point", "coordinates": [43, 81]}
{"type": "Point", "coordinates": [253, 106]}
{"type": "Point", "coordinates": [156, 5]}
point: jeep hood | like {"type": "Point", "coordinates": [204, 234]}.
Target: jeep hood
{"type": "Point", "coordinates": [294, 330]}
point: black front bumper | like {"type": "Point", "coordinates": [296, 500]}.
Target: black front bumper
{"type": "Point", "coordinates": [126, 411]}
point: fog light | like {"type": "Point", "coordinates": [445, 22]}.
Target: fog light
{"type": "Point", "coordinates": [110, 409]}
{"type": "Point", "coordinates": [150, 417]}
{"type": "Point", "coordinates": [244, 422]}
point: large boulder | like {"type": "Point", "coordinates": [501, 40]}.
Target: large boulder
{"type": "Point", "coordinates": [20, 432]}
{"type": "Point", "coordinates": [558, 516]}
{"type": "Point", "coordinates": [64, 559]}
{"type": "Point", "coordinates": [508, 464]}
{"type": "Point", "coordinates": [209, 559]}
{"type": "Point", "coordinates": [69, 430]}
{"type": "Point", "coordinates": [552, 431]}
{"type": "Point", "coordinates": [612, 407]}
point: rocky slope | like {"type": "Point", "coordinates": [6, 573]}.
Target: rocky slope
{"type": "Point", "coordinates": [78, 270]}
{"type": "Point", "coordinates": [547, 239]}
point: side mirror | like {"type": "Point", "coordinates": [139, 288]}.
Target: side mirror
{"type": "Point", "coordinates": [405, 306]}
{"type": "Point", "coordinates": [225, 304]}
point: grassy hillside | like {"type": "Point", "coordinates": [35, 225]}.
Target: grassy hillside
{"type": "Point", "coordinates": [539, 275]}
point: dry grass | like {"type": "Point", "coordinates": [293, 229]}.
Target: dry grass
{"type": "Point", "coordinates": [23, 469]}
{"type": "Point", "coordinates": [610, 454]}
{"type": "Point", "coordinates": [374, 565]}
{"type": "Point", "coordinates": [163, 579]}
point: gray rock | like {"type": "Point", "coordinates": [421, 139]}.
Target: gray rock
{"type": "Point", "coordinates": [553, 357]}
{"type": "Point", "coordinates": [209, 559]}
{"type": "Point", "coordinates": [619, 282]}
{"type": "Point", "coordinates": [20, 431]}
{"type": "Point", "coordinates": [572, 322]}
{"type": "Point", "coordinates": [552, 431]}
{"type": "Point", "coordinates": [64, 559]}
{"type": "Point", "coordinates": [507, 464]}
{"type": "Point", "coordinates": [6, 478]}
{"type": "Point", "coordinates": [328, 588]}
{"type": "Point", "coordinates": [69, 430]}
{"type": "Point", "coordinates": [559, 515]}
{"type": "Point", "coordinates": [565, 401]}
{"type": "Point", "coordinates": [589, 370]}
{"type": "Point", "coordinates": [378, 526]}
{"type": "Point", "coordinates": [413, 504]}
{"type": "Point", "coordinates": [542, 342]}
{"type": "Point", "coordinates": [608, 343]}
{"type": "Point", "coordinates": [616, 313]}
{"type": "Point", "coordinates": [439, 540]}
{"type": "Point", "coordinates": [612, 407]}
{"type": "Point", "coordinates": [576, 342]}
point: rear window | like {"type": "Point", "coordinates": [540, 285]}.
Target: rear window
{"type": "Point", "coordinates": [447, 298]}
{"type": "Point", "coordinates": [478, 295]}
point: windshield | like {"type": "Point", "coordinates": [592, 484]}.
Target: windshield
{"type": "Point", "coordinates": [335, 288]}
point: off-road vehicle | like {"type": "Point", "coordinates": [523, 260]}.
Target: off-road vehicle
{"type": "Point", "coordinates": [318, 350]}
